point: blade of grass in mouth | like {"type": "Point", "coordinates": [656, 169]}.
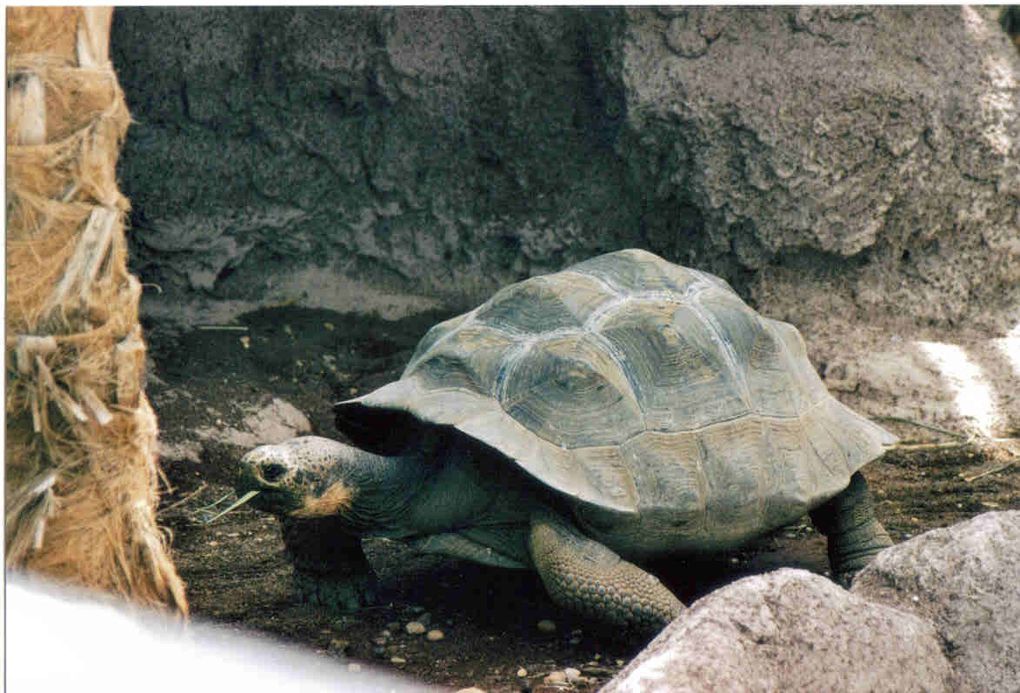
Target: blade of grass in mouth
{"type": "Point", "coordinates": [233, 506]}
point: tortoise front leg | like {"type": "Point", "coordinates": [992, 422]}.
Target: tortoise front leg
{"type": "Point", "coordinates": [583, 575]}
{"type": "Point", "coordinates": [854, 534]}
{"type": "Point", "coordinates": [330, 567]}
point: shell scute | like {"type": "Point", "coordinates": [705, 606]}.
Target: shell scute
{"type": "Point", "coordinates": [570, 392]}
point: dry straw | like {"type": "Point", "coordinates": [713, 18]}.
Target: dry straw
{"type": "Point", "coordinates": [81, 466]}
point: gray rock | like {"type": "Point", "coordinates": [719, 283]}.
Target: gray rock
{"type": "Point", "coordinates": [414, 628]}
{"type": "Point", "coordinates": [271, 423]}
{"type": "Point", "coordinates": [789, 630]}
{"type": "Point", "coordinates": [869, 152]}
{"type": "Point", "coordinates": [546, 626]}
{"type": "Point", "coordinates": [555, 677]}
{"type": "Point", "coordinates": [966, 579]}
{"type": "Point", "coordinates": [847, 142]}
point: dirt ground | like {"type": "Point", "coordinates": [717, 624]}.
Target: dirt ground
{"type": "Point", "coordinates": [237, 575]}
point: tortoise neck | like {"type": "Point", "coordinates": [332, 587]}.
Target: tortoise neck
{"type": "Point", "coordinates": [383, 487]}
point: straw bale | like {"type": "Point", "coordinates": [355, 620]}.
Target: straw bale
{"type": "Point", "coordinates": [81, 462]}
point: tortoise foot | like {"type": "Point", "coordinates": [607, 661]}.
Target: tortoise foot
{"type": "Point", "coordinates": [339, 593]}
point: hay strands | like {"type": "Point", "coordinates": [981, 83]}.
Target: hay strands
{"type": "Point", "coordinates": [1004, 453]}
{"type": "Point", "coordinates": [71, 409]}
{"type": "Point", "coordinates": [26, 515]}
{"type": "Point", "coordinates": [91, 251]}
{"type": "Point", "coordinates": [918, 424]}
{"type": "Point", "coordinates": [181, 501]}
{"type": "Point", "coordinates": [233, 506]}
{"type": "Point", "coordinates": [987, 472]}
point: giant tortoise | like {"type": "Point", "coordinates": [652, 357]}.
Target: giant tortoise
{"type": "Point", "coordinates": [578, 424]}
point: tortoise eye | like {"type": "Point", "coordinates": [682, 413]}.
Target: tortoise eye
{"type": "Point", "coordinates": [273, 472]}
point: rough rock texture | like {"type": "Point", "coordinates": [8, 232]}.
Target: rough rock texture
{"type": "Point", "coordinates": [882, 142]}
{"type": "Point", "coordinates": [409, 151]}
{"type": "Point", "coordinates": [230, 434]}
{"type": "Point", "coordinates": [966, 579]}
{"type": "Point", "coordinates": [448, 150]}
{"type": "Point", "coordinates": [789, 630]}
{"type": "Point", "coordinates": [840, 167]}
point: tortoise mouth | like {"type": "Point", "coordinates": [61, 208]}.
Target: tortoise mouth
{"type": "Point", "coordinates": [265, 494]}
{"type": "Point", "coordinates": [266, 498]}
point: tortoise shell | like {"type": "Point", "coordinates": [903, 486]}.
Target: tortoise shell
{"type": "Point", "coordinates": [633, 384]}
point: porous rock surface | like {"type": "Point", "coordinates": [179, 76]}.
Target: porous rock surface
{"type": "Point", "coordinates": [851, 170]}
{"type": "Point", "coordinates": [445, 151]}
{"type": "Point", "coordinates": [966, 580]}
{"type": "Point", "coordinates": [790, 630]}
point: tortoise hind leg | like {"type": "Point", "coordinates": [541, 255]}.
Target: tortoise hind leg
{"type": "Point", "coordinates": [854, 534]}
{"type": "Point", "coordinates": [587, 577]}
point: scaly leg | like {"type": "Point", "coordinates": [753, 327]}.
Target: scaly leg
{"type": "Point", "coordinates": [330, 568]}
{"type": "Point", "coordinates": [583, 575]}
{"type": "Point", "coordinates": [854, 534]}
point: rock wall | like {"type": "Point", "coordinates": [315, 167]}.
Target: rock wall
{"type": "Point", "coordinates": [404, 152]}
{"type": "Point", "coordinates": [853, 171]}
{"type": "Point", "coordinates": [445, 151]}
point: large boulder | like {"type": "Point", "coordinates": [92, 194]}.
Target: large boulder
{"type": "Point", "coordinates": [966, 580]}
{"type": "Point", "coordinates": [790, 630]}
{"type": "Point", "coordinates": [879, 141]}
{"type": "Point", "coordinates": [445, 151]}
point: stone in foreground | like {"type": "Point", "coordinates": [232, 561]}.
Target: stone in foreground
{"type": "Point", "coordinates": [789, 630]}
{"type": "Point", "coordinates": [966, 579]}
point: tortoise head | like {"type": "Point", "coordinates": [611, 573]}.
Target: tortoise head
{"type": "Point", "coordinates": [302, 477]}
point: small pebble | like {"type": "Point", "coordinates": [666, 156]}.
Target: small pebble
{"type": "Point", "coordinates": [546, 626]}
{"type": "Point", "coordinates": [380, 641]}
{"type": "Point", "coordinates": [473, 689]}
{"type": "Point", "coordinates": [734, 560]}
{"type": "Point", "coordinates": [522, 672]}
{"type": "Point", "coordinates": [398, 660]}
{"type": "Point", "coordinates": [354, 667]}
{"type": "Point", "coordinates": [573, 675]}
{"type": "Point", "coordinates": [434, 635]}
{"type": "Point", "coordinates": [620, 662]}
{"type": "Point", "coordinates": [414, 628]}
{"type": "Point", "coordinates": [555, 677]}
{"type": "Point", "coordinates": [338, 645]}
